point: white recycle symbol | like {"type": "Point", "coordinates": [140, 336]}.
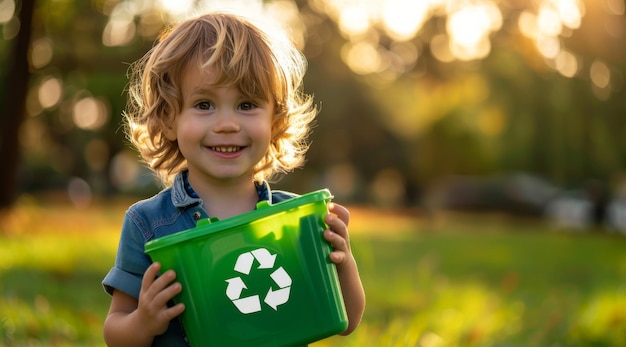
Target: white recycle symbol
{"type": "Point", "coordinates": [273, 298]}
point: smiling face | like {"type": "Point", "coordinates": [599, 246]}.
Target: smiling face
{"type": "Point", "coordinates": [222, 133]}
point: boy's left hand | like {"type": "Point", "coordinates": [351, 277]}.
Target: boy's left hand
{"type": "Point", "coordinates": [338, 235]}
{"type": "Point", "coordinates": [352, 289]}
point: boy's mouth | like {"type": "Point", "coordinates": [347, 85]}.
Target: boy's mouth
{"type": "Point", "coordinates": [226, 149]}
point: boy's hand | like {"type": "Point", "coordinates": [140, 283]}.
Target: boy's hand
{"type": "Point", "coordinates": [153, 297]}
{"type": "Point", "coordinates": [338, 235]}
{"type": "Point", "coordinates": [342, 257]}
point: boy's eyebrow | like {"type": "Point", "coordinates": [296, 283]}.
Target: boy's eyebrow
{"type": "Point", "coordinates": [201, 90]}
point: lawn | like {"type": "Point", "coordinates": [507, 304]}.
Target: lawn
{"type": "Point", "coordinates": [454, 280]}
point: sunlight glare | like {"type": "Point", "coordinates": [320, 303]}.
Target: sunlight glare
{"type": "Point", "coordinates": [150, 24]}
{"type": "Point", "coordinates": [41, 53]}
{"type": "Point", "coordinates": [354, 21]}
{"type": "Point", "coordinates": [466, 26]}
{"type": "Point", "coordinates": [470, 27]}
{"type": "Point", "coordinates": [566, 64]}
{"type": "Point", "coordinates": [11, 28]}
{"type": "Point", "coordinates": [600, 74]}
{"type": "Point", "coordinates": [248, 8]}
{"type": "Point", "coordinates": [405, 51]}
{"type": "Point", "coordinates": [570, 12]}
{"type": "Point", "coordinates": [7, 9]}
{"type": "Point", "coordinates": [176, 7]}
{"type": "Point", "coordinates": [403, 19]}
{"type": "Point", "coordinates": [89, 113]}
{"type": "Point", "coordinates": [50, 92]}
{"type": "Point", "coordinates": [479, 50]}
{"type": "Point", "coordinates": [363, 58]}
{"type": "Point", "coordinates": [548, 46]}
{"type": "Point", "coordinates": [527, 23]}
{"type": "Point", "coordinates": [121, 28]}
{"type": "Point", "coordinates": [549, 21]}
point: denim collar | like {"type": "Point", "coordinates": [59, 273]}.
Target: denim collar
{"type": "Point", "coordinates": [183, 195]}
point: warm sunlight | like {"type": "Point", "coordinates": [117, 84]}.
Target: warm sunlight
{"type": "Point", "coordinates": [447, 30]}
{"type": "Point", "coordinates": [403, 19]}
{"type": "Point", "coordinates": [123, 25]}
{"type": "Point", "coordinates": [552, 19]}
{"type": "Point", "coordinates": [50, 92]}
{"type": "Point", "coordinates": [7, 9]}
{"type": "Point", "coordinates": [600, 74]}
{"type": "Point", "coordinates": [176, 7]}
{"type": "Point", "coordinates": [90, 113]}
{"type": "Point", "coordinates": [469, 28]}
{"type": "Point", "coordinates": [566, 63]}
{"type": "Point", "coordinates": [354, 21]}
{"type": "Point", "coordinates": [363, 58]}
{"type": "Point", "coordinates": [41, 52]}
{"type": "Point", "coordinates": [120, 29]}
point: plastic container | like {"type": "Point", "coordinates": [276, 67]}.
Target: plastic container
{"type": "Point", "coordinates": [262, 278]}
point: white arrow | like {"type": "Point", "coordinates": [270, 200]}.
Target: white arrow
{"type": "Point", "coordinates": [247, 305]}
{"type": "Point", "coordinates": [281, 277]}
{"type": "Point", "coordinates": [277, 297]}
{"type": "Point", "coordinates": [244, 263]}
{"type": "Point", "coordinates": [265, 258]}
{"type": "Point", "coordinates": [234, 288]}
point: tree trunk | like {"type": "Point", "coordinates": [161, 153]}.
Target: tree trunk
{"type": "Point", "coordinates": [14, 107]}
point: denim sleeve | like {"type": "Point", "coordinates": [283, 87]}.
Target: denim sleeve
{"type": "Point", "coordinates": [131, 262]}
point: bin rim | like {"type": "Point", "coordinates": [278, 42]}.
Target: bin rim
{"type": "Point", "coordinates": [263, 209]}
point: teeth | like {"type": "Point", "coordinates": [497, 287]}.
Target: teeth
{"type": "Point", "coordinates": [226, 149]}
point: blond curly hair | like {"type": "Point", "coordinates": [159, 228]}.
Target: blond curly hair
{"type": "Point", "coordinates": [244, 56]}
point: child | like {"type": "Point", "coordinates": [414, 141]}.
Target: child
{"type": "Point", "coordinates": [216, 109]}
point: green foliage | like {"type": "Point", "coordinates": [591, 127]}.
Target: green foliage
{"type": "Point", "coordinates": [453, 282]}
{"type": "Point", "coordinates": [49, 289]}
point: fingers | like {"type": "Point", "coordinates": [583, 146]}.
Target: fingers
{"type": "Point", "coordinates": [158, 289]}
{"type": "Point", "coordinates": [338, 222]}
{"type": "Point", "coordinates": [337, 235]}
{"type": "Point", "coordinates": [155, 293]}
{"type": "Point", "coordinates": [340, 212]}
{"type": "Point", "coordinates": [337, 257]}
{"type": "Point", "coordinates": [340, 246]}
{"type": "Point", "coordinates": [338, 242]}
{"type": "Point", "coordinates": [150, 275]}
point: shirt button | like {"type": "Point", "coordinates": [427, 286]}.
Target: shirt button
{"type": "Point", "coordinates": [197, 215]}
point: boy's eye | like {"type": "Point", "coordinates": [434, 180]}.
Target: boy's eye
{"type": "Point", "coordinates": [204, 105]}
{"type": "Point", "coordinates": [247, 106]}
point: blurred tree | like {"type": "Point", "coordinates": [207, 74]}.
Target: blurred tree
{"type": "Point", "coordinates": [485, 87]}
{"type": "Point", "coordinates": [13, 107]}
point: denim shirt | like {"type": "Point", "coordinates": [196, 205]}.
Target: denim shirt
{"type": "Point", "coordinates": [174, 209]}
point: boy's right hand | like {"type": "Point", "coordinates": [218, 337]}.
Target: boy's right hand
{"type": "Point", "coordinates": [155, 293]}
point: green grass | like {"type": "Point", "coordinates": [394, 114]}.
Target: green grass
{"type": "Point", "coordinates": [458, 281]}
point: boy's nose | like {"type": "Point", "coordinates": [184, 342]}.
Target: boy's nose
{"type": "Point", "coordinates": [226, 121]}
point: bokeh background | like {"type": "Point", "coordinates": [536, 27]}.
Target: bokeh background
{"type": "Point", "coordinates": [479, 143]}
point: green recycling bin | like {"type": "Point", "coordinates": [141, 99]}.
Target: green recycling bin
{"type": "Point", "coordinates": [261, 279]}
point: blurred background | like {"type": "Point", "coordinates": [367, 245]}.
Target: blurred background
{"type": "Point", "coordinates": [484, 110]}
{"type": "Point", "coordinates": [488, 105]}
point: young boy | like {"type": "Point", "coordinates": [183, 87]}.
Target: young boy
{"type": "Point", "coordinates": [216, 108]}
